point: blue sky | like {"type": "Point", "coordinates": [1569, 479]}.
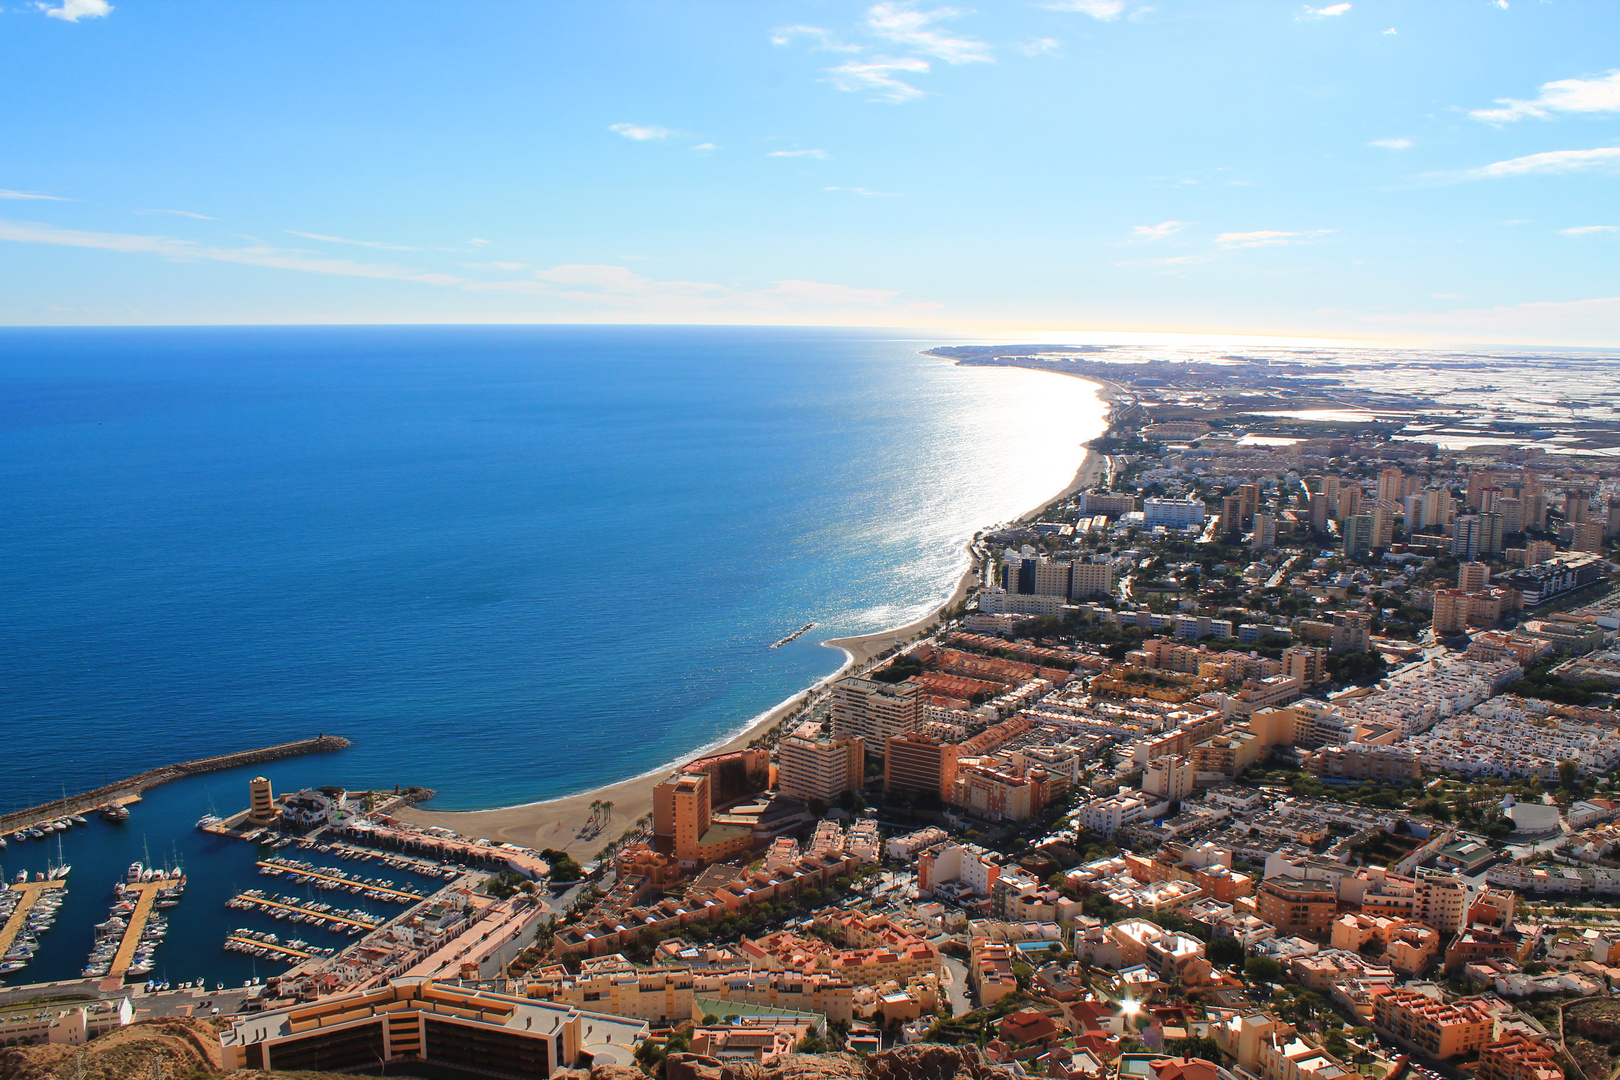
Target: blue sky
{"type": "Point", "coordinates": [1425, 170]}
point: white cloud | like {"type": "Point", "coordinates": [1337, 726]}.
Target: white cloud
{"type": "Point", "coordinates": [1106, 10]}
{"type": "Point", "coordinates": [616, 287]}
{"type": "Point", "coordinates": [1324, 12]}
{"type": "Point", "coordinates": [74, 10]}
{"type": "Point", "coordinates": [903, 24]}
{"type": "Point", "coordinates": [1503, 4]}
{"type": "Point", "coordinates": [639, 132]}
{"type": "Point", "coordinates": [5, 194]}
{"type": "Point", "coordinates": [821, 39]}
{"type": "Point", "coordinates": [1392, 144]}
{"type": "Point", "coordinates": [863, 191]}
{"type": "Point", "coordinates": [1553, 161]}
{"type": "Point", "coordinates": [477, 242]}
{"type": "Point", "coordinates": [877, 75]}
{"type": "Point", "coordinates": [27, 232]}
{"type": "Point", "coordinates": [1040, 47]}
{"type": "Point", "coordinates": [341, 240]}
{"type": "Point", "coordinates": [820, 155]}
{"type": "Point", "coordinates": [1599, 95]}
{"type": "Point", "coordinates": [704, 148]}
{"type": "Point", "coordinates": [1392, 30]}
{"type": "Point", "coordinates": [180, 213]}
{"type": "Point", "coordinates": [1159, 231]}
{"type": "Point", "coordinates": [1590, 230]}
{"type": "Point", "coordinates": [1267, 238]}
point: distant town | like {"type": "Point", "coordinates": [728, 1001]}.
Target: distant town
{"type": "Point", "coordinates": [1283, 747]}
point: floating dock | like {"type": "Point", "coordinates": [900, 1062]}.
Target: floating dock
{"type": "Point", "coordinates": [402, 895]}
{"type": "Point", "coordinates": [266, 902]}
{"type": "Point", "coordinates": [296, 953]}
{"type": "Point", "coordinates": [31, 892]}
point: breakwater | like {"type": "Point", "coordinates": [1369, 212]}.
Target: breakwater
{"type": "Point", "coordinates": [131, 787]}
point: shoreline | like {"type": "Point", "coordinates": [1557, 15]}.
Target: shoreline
{"type": "Point", "coordinates": [561, 823]}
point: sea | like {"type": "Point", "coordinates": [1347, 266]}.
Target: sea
{"type": "Point", "coordinates": [508, 563]}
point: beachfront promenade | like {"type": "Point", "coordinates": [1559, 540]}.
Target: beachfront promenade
{"type": "Point", "coordinates": [130, 788]}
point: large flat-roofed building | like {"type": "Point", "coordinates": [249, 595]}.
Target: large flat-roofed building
{"type": "Point", "coordinates": [1173, 513]}
{"type": "Point", "coordinates": [1438, 1029]}
{"type": "Point", "coordinates": [683, 822]}
{"type": "Point", "coordinates": [875, 711]}
{"type": "Point", "coordinates": [815, 767]}
{"type": "Point", "coordinates": [418, 1022]}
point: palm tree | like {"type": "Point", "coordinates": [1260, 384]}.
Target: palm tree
{"type": "Point", "coordinates": [607, 808]}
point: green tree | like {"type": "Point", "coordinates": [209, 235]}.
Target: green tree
{"type": "Point", "coordinates": [1262, 969]}
{"type": "Point", "coordinates": [1224, 952]}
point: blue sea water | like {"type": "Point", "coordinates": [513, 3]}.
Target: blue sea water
{"type": "Point", "coordinates": [508, 563]}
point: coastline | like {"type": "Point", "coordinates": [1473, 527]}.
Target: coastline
{"type": "Point", "coordinates": [562, 823]}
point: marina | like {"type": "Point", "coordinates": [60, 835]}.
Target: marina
{"type": "Point", "coordinates": [34, 910]}
{"type": "Point", "coordinates": [266, 947]}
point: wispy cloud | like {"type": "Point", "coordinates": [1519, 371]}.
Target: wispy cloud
{"type": "Point", "coordinates": [1553, 161]}
{"type": "Point", "coordinates": [1267, 238]}
{"type": "Point", "coordinates": [639, 132]}
{"type": "Point", "coordinates": [820, 155]}
{"type": "Point", "coordinates": [704, 148]}
{"type": "Point", "coordinates": [864, 191]}
{"type": "Point", "coordinates": [1502, 4]}
{"type": "Point", "coordinates": [28, 232]}
{"type": "Point", "coordinates": [1159, 231]}
{"type": "Point", "coordinates": [6, 194]}
{"type": "Point", "coordinates": [344, 240]}
{"type": "Point", "coordinates": [1324, 12]}
{"type": "Point", "coordinates": [616, 287]}
{"type": "Point", "coordinates": [180, 213]}
{"type": "Point", "coordinates": [74, 10]}
{"type": "Point", "coordinates": [1392, 144]}
{"type": "Point", "coordinates": [1106, 10]}
{"type": "Point", "coordinates": [1590, 230]}
{"type": "Point", "coordinates": [1590, 96]}
{"type": "Point", "coordinates": [1392, 30]}
{"type": "Point", "coordinates": [819, 39]}
{"type": "Point", "coordinates": [1041, 47]}
{"type": "Point", "coordinates": [878, 76]}
{"type": "Point", "coordinates": [915, 29]}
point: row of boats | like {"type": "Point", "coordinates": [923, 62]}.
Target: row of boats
{"type": "Point", "coordinates": [267, 946]}
{"type": "Point", "coordinates": [303, 873]}
{"type": "Point", "coordinates": [110, 934]}
{"type": "Point", "coordinates": [311, 913]}
{"type": "Point", "coordinates": [395, 862]}
{"type": "Point", "coordinates": [41, 917]}
{"type": "Point", "coordinates": [45, 830]}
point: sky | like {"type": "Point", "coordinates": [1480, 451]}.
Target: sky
{"type": "Point", "coordinates": [1427, 170]}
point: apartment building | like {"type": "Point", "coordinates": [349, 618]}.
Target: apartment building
{"type": "Point", "coordinates": [916, 763]}
{"type": "Point", "coordinates": [1438, 1029]}
{"type": "Point", "coordinates": [1298, 906]}
{"type": "Point", "coordinates": [819, 768]}
{"type": "Point", "coordinates": [875, 712]}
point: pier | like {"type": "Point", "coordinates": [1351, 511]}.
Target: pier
{"type": "Point", "coordinates": [316, 875]}
{"type": "Point", "coordinates": [31, 892]}
{"type": "Point", "coordinates": [310, 913]}
{"type": "Point", "coordinates": [132, 933]}
{"type": "Point", "coordinates": [130, 788]}
{"type": "Point", "coordinates": [298, 954]}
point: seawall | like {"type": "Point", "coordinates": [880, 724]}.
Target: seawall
{"type": "Point", "coordinates": [131, 787]}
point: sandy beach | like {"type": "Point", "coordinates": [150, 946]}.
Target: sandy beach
{"type": "Point", "coordinates": [563, 823]}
